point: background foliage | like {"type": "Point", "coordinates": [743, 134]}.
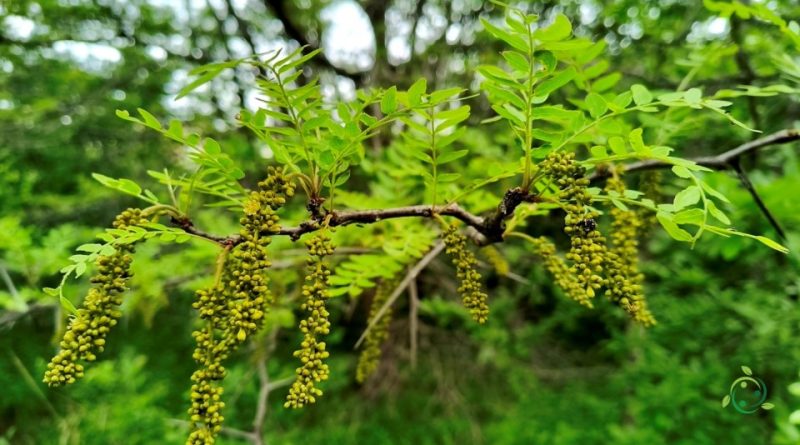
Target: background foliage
{"type": "Point", "coordinates": [543, 370]}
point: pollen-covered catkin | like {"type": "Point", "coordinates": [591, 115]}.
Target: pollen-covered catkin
{"type": "Point", "coordinates": [212, 348]}
{"type": "Point", "coordinates": [587, 245]}
{"type": "Point", "coordinates": [250, 297]}
{"type": "Point", "coordinates": [561, 273]}
{"type": "Point", "coordinates": [312, 352]}
{"type": "Point", "coordinates": [371, 354]}
{"type": "Point", "coordinates": [470, 280]}
{"type": "Point", "coordinates": [496, 260]}
{"type": "Point", "coordinates": [623, 280]}
{"type": "Point", "coordinates": [86, 334]}
{"type": "Point", "coordinates": [234, 307]}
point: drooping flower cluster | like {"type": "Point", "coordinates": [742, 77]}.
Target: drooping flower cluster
{"type": "Point", "coordinates": [312, 353]}
{"type": "Point", "coordinates": [371, 354]}
{"type": "Point", "coordinates": [86, 334]}
{"type": "Point", "coordinates": [212, 349]}
{"type": "Point", "coordinates": [234, 307]}
{"type": "Point", "coordinates": [623, 281]}
{"type": "Point", "coordinates": [496, 260]}
{"type": "Point", "coordinates": [470, 280]}
{"type": "Point", "coordinates": [560, 271]}
{"type": "Point", "coordinates": [587, 245]}
{"type": "Point", "coordinates": [250, 296]}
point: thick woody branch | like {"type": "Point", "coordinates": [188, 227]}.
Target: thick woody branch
{"type": "Point", "coordinates": [376, 215]}
{"type": "Point", "coordinates": [489, 229]}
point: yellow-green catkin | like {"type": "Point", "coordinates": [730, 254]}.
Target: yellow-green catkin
{"type": "Point", "coordinates": [561, 273]}
{"type": "Point", "coordinates": [205, 413]}
{"type": "Point", "coordinates": [85, 336]}
{"type": "Point", "coordinates": [587, 245]}
{"type": "Point", "coordinates": [623, 280]}
{"type": "Point", "coordinates": [496, 260]}
{"type": "Point", "coordinates": [234, 307]}
{"type": "Point", "coordinates": [371, 354]}
{"type": "Point", "coordinates": [470, 280]}
{"type": "Point", "coordinates": [312, 353]}
{"type": "Point", "coordinates": [249, 295]}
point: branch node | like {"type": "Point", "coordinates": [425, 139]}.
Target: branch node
{"type": "Point", "coordinates": [494, 225]}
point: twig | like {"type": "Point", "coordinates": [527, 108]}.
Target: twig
{"type": "Point", "coordinates": [11, 288]}
{"type": "Point", "coordinates": [510, 275]}
{"type": "Point", "coordinates": [9, 317]}
{"type": "Point", "coordinates": [265, 387]}
{"type": "Point", "coordinates": [721, 161]}
{"type": "Point", "coordinates": [518, 278]}
{"type": "Point", "coordinates": [261, 407]}
{"type": "Point", "coordinates": [281, 383]}
{"type": "Point", "coordinates": [760, 203]}
{"type": "Point", "coordinates": [188, 226]}
{"type": "Point", "coordinates": [410, 276]}
{"type": "Point", "coordinates": [31, 382]}
{"type": "Point", "coordinates": [232, 432]}
{"type": "Point", "coordinates": [413, 321]}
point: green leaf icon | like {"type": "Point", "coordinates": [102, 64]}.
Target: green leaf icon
{"type": "Point", "coordinates": [747, 370]}
{"type": "Point", "coordinates": [726, 401]}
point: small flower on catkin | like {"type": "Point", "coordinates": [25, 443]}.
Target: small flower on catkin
{"type": "Point", "coordinates": [85, 336]}
{"type": "Point", "coordinates": [371, 354]}
{"type": "Point", "coordinates": [470, 287]}
{"type": "Point", "coordinates": [312, 351]}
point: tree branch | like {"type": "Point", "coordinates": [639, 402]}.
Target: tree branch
{"type": "Point", "coordinates": [231, 432]}
{"type": "Point", "coordinates": [737, 167]}
{"type": "Point", "coordinates": [487, 228]}
{"type": "Point", "coordinates": [263, 399]}
{"type": "Point", "coordinates": [413, 321]}
{"type": "Point", "coordinates": [410, 276]}
{"type": "Point", "coordinates": [490, 229]}
{"type": "Point", "coordinates": [722, 161]}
